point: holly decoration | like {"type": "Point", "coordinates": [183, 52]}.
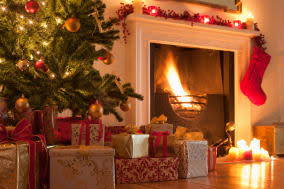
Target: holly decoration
{"type": "Point", "coordinates": [23, 65]}
{"type": "Point", "coordinates": [125, 106]}
{"type": "Point", "coordinates": [95, 111]}
{"type": "Point", "coordinates": [32, 7]}
{"type": "Point", "coordinates": [108, 59]}
{"type": "Point", "coordinates": [22, 105]}
{"type": "Point", "coordinates": [72, 24]}
{"type": "Point", "coordinates": [39, 65]}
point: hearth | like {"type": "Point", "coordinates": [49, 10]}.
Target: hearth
{"type": "Point", "coordinates": [193, 87]}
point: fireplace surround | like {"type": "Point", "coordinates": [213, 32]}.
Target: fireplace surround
{"type": "Point", "coordinates": [145, 30]}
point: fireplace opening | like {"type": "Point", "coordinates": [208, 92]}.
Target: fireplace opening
{"type": "Point", "coordinates": [193, 87]}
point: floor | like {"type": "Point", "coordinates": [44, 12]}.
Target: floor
{"type": "Point", "coordinates": [234, 175]}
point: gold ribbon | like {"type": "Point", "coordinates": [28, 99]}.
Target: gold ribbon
{"type": "Point", "coordinates": [159, 120]}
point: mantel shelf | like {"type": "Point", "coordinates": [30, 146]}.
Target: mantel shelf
{"type": "Point", "coordinates": [200, 26]}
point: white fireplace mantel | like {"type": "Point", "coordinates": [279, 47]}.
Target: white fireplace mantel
{"type": "Point", "coordinates": [145, 30]}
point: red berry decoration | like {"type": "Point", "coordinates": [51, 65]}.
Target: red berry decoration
{"type": "Point", "coordinates": [108, 59]}
{"type": "Point", "coordinates": [39, 65]}
{"type": "Point", "coordinates": [32, 7]}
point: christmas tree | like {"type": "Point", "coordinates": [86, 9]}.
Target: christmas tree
{"type": "Point", "coordinates": [47, 50]}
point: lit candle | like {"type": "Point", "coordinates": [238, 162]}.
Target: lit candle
{"type": "Point", "coordinates": [137, 6]}
{"type": "Point", "coordinates": [249, 22]}
{"type": "Point", "coordinates": [247, 155]}
{"type": "Point", "coordinates": [205, 19]}
{"type": "Point", "coordinates": [237, 24]}
{"type": "Point", "coordinates": [233, 154]}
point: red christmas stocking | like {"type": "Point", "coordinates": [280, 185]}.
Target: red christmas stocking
{"type": "Point", "coordinates": [251, 82]}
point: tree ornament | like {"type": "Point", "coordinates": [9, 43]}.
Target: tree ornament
{"type": "Point", "coordinates": [96, 111]}
{"type": "Point", "coordinates": [251, 82]}
{"type": "Point", "coordinates": [108, 59]}
{"type": "Point", "coordinates": [23, 65]}
{"type": "Point", "coordinates": [39, 65]}
{"type": "Point", "coordinates": [32, 7]}
{"type": "Point", "coordinates": [22, 105]}
{"type": "Point", "coordinates": [72, 24]}
{"type": "Point", "coordinates": [125, 106]}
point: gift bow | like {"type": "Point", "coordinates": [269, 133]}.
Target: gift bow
{"type": "Point", "coordinates": [159, 136]}
{"type": "Point", "coordinates": [22, 132]}
{"type": "Point", "coordinates": [86, 123]}
{"type": "Point", "coordinates": [131, 129]}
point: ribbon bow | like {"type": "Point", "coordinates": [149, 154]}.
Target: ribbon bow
{"type": "Point", "coordinates": [22, 132]}
{"type": "Point", "coordinates": [159, 136]}
{"type": "Point", "coordinates": [86, 123]}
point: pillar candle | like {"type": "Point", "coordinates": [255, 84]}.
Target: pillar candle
{"type": "Point", "coordinates": [250, 22]}
{"type": "Point", "coordinates": [137, 6]}
{"type": "Point", "coordinates": [233, 154]}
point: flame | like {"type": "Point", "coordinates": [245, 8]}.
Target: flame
{"type": "Point", "coordinates": [175, 83]}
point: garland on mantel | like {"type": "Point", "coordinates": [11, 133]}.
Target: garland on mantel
{"type": "Point", "coordinates": [127, 9]}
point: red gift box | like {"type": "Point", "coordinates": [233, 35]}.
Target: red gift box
{"type": "Point", "coordinates": [141, 170]}
{"type": "Point", "coordinates": [113, 130]}
{"type": "Point", "coordinates": [212, 155]}
{"type": "Point", "coordinates": [63, 133]}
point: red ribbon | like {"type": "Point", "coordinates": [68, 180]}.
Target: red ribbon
{"type": "Point", "coordinates": [22, 132]}
{"type": "Point", "coordinates": [159, 136]}
{"type": "Point", "coordinates": [86, 123]}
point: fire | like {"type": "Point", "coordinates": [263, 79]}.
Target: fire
{"type": "Point", "coordinates": [175, 83]}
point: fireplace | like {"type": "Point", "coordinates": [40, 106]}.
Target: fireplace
{"type": "Point", "coordinates": [146, 31]}
{"type": "Point", "coordinates": [193, 87]}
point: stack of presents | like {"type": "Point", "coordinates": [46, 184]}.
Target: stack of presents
{"type": "Point", "coordinates": [98, 156]}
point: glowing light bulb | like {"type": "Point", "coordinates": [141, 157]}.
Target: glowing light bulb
{"type": "Point", "coordinates": [250, 15]}
{"type": "Point", "coordinates": [44, 25]}
{"type": "Point", "coordinates": [43, 3]}
{"type": "Point", "coordinates": [58, 20]}
{"type": "Point", "coordinates": [1, 60]}
{"type": "Point", "coordinates": [21, 28]}
{"type": "Point", "coordinates": [3, 9]}
{"type": "Point", "coordinates": [67, 73]}
{"type": "Point", "coordinates": [31, 22]}
{"type": "Point", "coordinates": [37, 52]}
{"type": "Point", "coordinates": [52, 75]}
{"type": "Point", "coordinates": [32, 57]}
{"type": "Point", "coordinates": [22, 17]}
{"type": "Point", "coordinates": [45, 43]}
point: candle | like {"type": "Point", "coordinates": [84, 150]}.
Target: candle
{"type": "Point", "coordinates": [233, 154]}
{"type": "Point", "coordinates": [237, 24]}
{"type": "Point", "coordinates": [137, 6]}
{"type": "Point", "coordinates": [249, 22]}
{"type": "Point", "coordinates": [247, 155]}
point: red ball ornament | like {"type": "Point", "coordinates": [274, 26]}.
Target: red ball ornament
{"type": "Point", "coordinates": [32, 7]}
{"type": "Point", "coordinates": [39, 65]}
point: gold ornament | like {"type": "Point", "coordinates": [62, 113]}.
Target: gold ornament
{"type": "Point", "coordinates": [23, 65]}
{"type": "Point", "coordinates": [109, 59]}
{"type": "Point", "coordinates": [22, 105]}
{"type": "Point", "coordinates": [96, 111]}
{"type": "Point", "coordinates": [72, 24]}
{"type": "Point", "coordinates": [125, 106]}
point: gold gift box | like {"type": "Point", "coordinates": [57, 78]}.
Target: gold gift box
{"type": "Point", "coordinates": [271, 137]}
{"type": "Point", "coordinates": [131, 145]}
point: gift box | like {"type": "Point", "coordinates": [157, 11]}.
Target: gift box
{"type": "Point", "coordinates": [88, 134]}
{"type": "Point", "coordinates": [212, 155]}
{"type": "Point", "coordinates": [192, 156]}
{"type": "Point", "coordinates": [141, 170]}
{"type": "Point", "coordinates": [23, 158]}
{"type": "Point", "coordinates": [162, 144]}
{"type": "Point", "coordinates": [112, 130]}
{"type": "Point", "coordinates": [165, 127]}
{"type": "Point", "coordinates": [88, 167]}
{"type": "Point", "coordinates": [63, 132]}
{"type": "Point", "coordinates": [131, 145]}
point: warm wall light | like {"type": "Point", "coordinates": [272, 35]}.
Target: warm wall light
{"type": "Point", "coordinates": [205, 19]}
{"type": "Point", "coordinates": [153, 10]}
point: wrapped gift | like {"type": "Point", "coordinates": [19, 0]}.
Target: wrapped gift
{"type": "Point", "coordinates": [88, 134]}
{"type": "Point", "coordinates": [141, 170]}
{"type": "Point", "coordinates": [131, 145]}
{"type": "Point", "coordinates": [162, 144]}
{"type": "Point", "coordinates": [23, 158]}
{"type": "Point", "coordinates": [63, 132]}
{"type": "Point", "coordinates": [112, 130]}
{"type": "Point", "coordinates": [164, 127]}
{"type": "Point", "coordinates": [212, 155]}
{"type": "Point", "coordinates": [192, 156]}
{"type": "Point", "coordinates": [88, 167]}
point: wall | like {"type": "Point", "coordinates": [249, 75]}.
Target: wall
{"type": "Point", "coordinates": [266, 12]}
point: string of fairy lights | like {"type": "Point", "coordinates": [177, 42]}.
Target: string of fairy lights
{"type": "Point", "coordinates": [28, 22]}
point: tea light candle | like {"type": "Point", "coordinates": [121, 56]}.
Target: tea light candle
{"type": "Point", "coordinates": [249, 22]}
{"type": "Point", "coordinates": [137, 6]}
